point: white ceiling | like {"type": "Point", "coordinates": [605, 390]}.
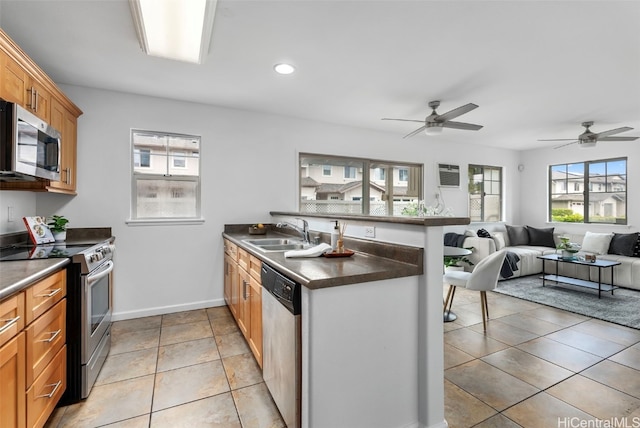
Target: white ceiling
{"type": "Point", "coordinates": [537, 69]}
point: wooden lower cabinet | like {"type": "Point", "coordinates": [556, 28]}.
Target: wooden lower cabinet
{"type": "Point", "coordinates": [231, 284]}
{"type": "Point", "coordinates": [33, 353]}
{"type": "Point", "coordinates": [12, 383]}
{"type": "Point", "coordinates": [255, 322]}
{"type": "Point", "coordinates": [244, 306]}
{"type": "Point", "coordinates": [46, 390]}
{"type": "Point", "coordinates": [243, 294]}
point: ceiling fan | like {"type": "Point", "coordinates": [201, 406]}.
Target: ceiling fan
{"type": "Point", "coordinates": [434, 123]}
{"type": "Point", "coordinates": [589, 139]}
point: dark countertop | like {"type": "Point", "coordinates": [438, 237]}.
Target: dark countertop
{"type": "Point", "coordinates": [427, 221]}
{"type": "Point", "coordinates": [17, 275]}
{"type": "Point", "coordinates": [372, 261]}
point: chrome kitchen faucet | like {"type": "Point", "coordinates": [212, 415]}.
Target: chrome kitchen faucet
{"type": "Point", "coordinates": [304, 230]}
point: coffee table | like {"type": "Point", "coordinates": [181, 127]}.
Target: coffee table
{"type": "Point", "coordinates": [600, 264]}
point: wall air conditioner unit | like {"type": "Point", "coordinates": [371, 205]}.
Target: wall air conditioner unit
{"type": "Point", "coordinates": [448, 175]}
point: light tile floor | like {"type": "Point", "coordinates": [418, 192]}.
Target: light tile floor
{"type": "Point", "coordinates": [535, 367]}
{"type": "Point", "coordinates": [189, 369]}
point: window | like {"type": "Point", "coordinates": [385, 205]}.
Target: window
{"type": "Point", "coordinates": [485, 193]}
{"type": "Point", "coordinates": [179, 160]}
{"type": "Point", "coordinates": [349, 172]}
{"type": "Point", "coordinates": [142, 158]}
{"type": "Point", "coordinates": [366, 187]}
{"type": "Point", "coordinates": [603, 201]}
{"type": "Point", "coordinates": [166, 176]}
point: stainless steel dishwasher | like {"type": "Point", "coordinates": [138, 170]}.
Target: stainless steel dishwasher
{"type": "Point", "coordinates": [281, 363]}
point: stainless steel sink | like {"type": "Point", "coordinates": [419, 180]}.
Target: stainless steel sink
{"type": "Point", "coordinates": [272, 241]}
{"type": "Point", "coordinates": [277, 244]}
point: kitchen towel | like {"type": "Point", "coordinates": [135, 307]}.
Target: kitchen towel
{"type": "Point", "coordinates": [316, 251]}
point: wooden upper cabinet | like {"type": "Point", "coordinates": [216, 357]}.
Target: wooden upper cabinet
{"type": "Point", "coordinates": [14, 80]}
{"type": "Point", "coordinates": [24, 83]}
{"type": "Point", "coordinates": [66, 123]}
{"type": "Point", "coordinates": [38, 100]}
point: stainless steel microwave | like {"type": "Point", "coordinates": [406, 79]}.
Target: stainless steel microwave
{"type": "Point", "coordinates": [29, 147]}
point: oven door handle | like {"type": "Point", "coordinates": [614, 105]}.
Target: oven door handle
{"type": "Point", "coordinates": [106, 270]}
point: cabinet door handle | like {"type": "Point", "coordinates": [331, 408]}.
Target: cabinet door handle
{"type": "Point", "coordinates": [31, 103]}
{"type": "Point", "coordinates": [244, 290]}
{"type": "Point", "coordinates": [53, 334]}
{"type": "Point", "coordinates": [35, 108]}
{"type": "Point", "coordinates": [53, 391]}
{"type": "Point", "coordinates": [51, 294]}
{"type": "Point", "coordinates": [68, 178]}
{"type": "Point", "coordinates": [9, 323]}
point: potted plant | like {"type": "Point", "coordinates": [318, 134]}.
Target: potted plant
{"type": "Point", "coordinates": [58, 226]}
{"type": "Point", "coordinates": [452, 262]}
{"type": "Point", "coordinates": [568, 249]}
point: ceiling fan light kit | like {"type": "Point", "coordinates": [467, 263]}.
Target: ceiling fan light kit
{"type": "Point", "coordinates": [434, 123]}
{"type": "Point", "coordinates": [433, 129]}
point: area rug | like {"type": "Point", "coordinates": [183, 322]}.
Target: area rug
{"type": "Point", "coordinates": [622, 308]}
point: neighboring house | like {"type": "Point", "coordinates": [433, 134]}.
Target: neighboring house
{"type": "Point", "coordinates": [568, 192]}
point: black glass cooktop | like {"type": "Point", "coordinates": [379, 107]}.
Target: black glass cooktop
{"type": "Point", "coordinates": [44, 251]}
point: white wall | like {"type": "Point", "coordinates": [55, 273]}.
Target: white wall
{"type": "Point", "coordinates": [249, 167]}
{"type": "Point", "coordinates": [21, 204]}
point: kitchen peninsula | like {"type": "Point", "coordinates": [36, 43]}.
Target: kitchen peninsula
{"type": "Point", "coordinates": [372, 351]}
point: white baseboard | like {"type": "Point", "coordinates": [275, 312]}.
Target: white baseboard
{"type": "Point", "coordinates": [148, 312]}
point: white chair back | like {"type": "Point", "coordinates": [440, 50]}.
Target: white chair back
{"type": "Point", "coordinates": [486, 273]}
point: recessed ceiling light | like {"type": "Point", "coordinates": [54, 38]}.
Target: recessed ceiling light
{"type": "Point", "coordinates": [284, 68]}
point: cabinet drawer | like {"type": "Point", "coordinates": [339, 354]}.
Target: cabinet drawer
{"type": "Point", "coordinates": [11, 317]}
{"type": "Point", "coordinates": [231, 249]}
{"type": "Point", "coordinates": [243, 259]}
{"type": "Point", "coordinates": [12, 387]}
{"type": "Point", "coordinates": [44, 294]}
{"type": "Point", "coordinates": [255, 266]}
{"type": "Point", "coordinates": [45, 337]}
{"type": "Point", "coordinates": [47, 390]}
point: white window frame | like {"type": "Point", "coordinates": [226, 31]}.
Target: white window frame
{"type": "Point", "coordinates": [165, 175]}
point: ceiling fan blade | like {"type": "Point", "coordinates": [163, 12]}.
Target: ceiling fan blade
{"type": "Point", "coordinates": [560, 139]}
{"type": "Point", "coordinates": [455, 112]}
{"type": "Point", "coordinates": [599, 135]}
{"type": "Point", "coordinates": [618, 139]}
{"type": "Point", "coordinates": [461, 125]}
{"type": "Point", "coordinates": [404, 120]}
{"type": "Point", "coordinates": [567, 144]}
{"type": "Point", "coordinates": [417, 131]}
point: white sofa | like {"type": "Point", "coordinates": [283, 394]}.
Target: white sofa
{"type": "Point", "coordinates": [627, 274]}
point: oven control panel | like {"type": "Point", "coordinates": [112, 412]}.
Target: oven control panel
{"type": "Point", "coordinates": [95, 256]}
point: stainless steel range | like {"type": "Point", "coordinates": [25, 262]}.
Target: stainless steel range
{"type": "Point", "coordinates": [89, 309]}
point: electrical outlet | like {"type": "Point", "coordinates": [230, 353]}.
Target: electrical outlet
{"type": "Point", "coordinates": [369, 232]}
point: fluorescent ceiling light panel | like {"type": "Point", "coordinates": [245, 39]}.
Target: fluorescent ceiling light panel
{"type": "Point", "coordinates": [174, 29]}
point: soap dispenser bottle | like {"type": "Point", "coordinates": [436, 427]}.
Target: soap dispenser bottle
{"type": "Point", "coordinates": [335, 233]}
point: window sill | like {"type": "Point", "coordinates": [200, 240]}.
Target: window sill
{"type": "Point", "coordinates": [164, 222]}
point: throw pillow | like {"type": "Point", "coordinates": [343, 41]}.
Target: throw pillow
{"type": "Point", "coordinates": [517, 235]}
{"type": "Point", "coordinates": [498, 238]}
{"type": "Point", "coordinates": [636, 249]}
{"type": "Point", "coordinates": [623, 244]}
{"type": "Point", "coordinates": [541, 237]}
{"type": "Point", "coordinates": [596, 243]}
{"type": "Point", "coordinates": [482, 233]}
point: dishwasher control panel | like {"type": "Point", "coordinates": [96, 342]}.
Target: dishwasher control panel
{"type": "Point", "coordinates": [285, 290]}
